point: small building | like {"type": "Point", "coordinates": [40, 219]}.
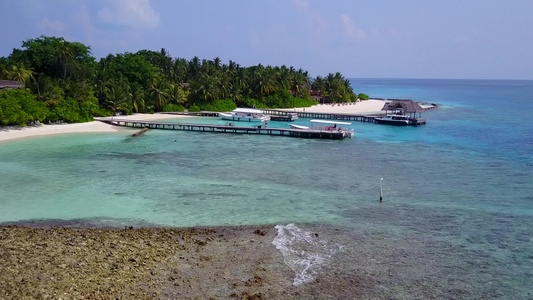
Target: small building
{"type": "Point", "coordinates": [317, 95]}
{"type": "Point", "coordinates": [407, 108]}
{"type": "Point", "coordinates": [10, 84]}
{"type": "Point", "coordinates": [403, 107]}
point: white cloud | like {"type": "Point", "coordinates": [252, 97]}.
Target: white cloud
{"type": "Point", "coordinates": [52, 26]}
{"type": "Point", "coordinates": [129, 13]}
{"type": "Point", "coordinates": [82, 18]}
{"type": "Point", "coordinates": [311, 17]}
{"type": "Point", "coordinates": [351, 30]}
{"type": "Point", "coordinates": [301, 4]}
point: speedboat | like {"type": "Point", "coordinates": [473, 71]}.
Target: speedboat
{"type": "Point", "coordinates": [294, 126]}
{"type": "Point", "coordinates": [399, 120]}
{"type": "Point", "coordinates": [326, 125]}
{"type": "Point", "coordinates": [245, 115]}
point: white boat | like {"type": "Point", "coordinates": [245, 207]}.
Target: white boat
{"type": "Point", "coordinates": [287, 118]}
{"type": "Point", "coordinates": [399, 120]}
{"type": "Point", "coordinates": [245, 115]}
{"type": "Point", "coordinates": [325, 125]}
{"type": "Point", "coordinates": [299, 126]}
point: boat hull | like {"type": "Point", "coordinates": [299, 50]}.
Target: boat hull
{"type": "Point", "coordinates": [232, 117]}
{"type": "Point", "coordinates": [393, 122]}
{"type": "Point", "coordinates": [294, 126]}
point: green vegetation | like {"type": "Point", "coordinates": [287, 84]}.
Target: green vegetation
{"type": "Point", "coordinates": [363, 96]}
{"type": "Point", "coordinates": [20, 107]}
{"type": "Point", "coordinates": [64, 82]}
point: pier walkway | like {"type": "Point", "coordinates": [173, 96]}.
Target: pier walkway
{"type": "Point", "coordinates": [276, 112]}
{"type": "Point", "coordinates": [368, 118]}
{"type": "Point", "coordinates": [289, 132]}
{"type": "Point", "coordinates": [328, 116]}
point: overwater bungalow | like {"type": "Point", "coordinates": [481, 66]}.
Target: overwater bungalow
{"type": "Point", "coordinates": [408, 108]}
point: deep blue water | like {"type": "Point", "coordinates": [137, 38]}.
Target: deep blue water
{"type": "Point", "coordinates": [458, 192]}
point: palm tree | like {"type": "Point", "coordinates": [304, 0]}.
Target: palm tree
{"type": "Point", "coordinates": [283, 78]}
{"type": "Point", "coordinates": [65, 55]}
{"type": "Point", "coordinates": [137, 97]}
{"type": "Point", "coordinates": [177, 95]}
{"type": "Point", "coordinates": [216, 62]}
{"type": "Point", "coordinates": [159, 92]}
{"type": "Point", "coordinates": [119, 98]}
{"type": "Point", "coordinates": [165, 63]}
{"type": "Point", "coordinates": [194, 68]}
{"type": "Point", "coordinates": [46, 90]}
{"type": "Point", "coordinates": [19, 73]}
{"type": "Point", "coordinates": [262, 83]}
{"type": "Point", "coordinates": [205, 88]}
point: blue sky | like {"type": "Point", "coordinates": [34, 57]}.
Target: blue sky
{"type": "Point", "coordinates": [471, 39]}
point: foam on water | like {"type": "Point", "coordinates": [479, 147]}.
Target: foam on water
{"type": "Point", "coordinates": [303, 251]}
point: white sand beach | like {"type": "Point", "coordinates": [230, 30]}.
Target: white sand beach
{"type": "Point", "coordinates": [372, 106]}
{"type": "Point", "coordinates": [15, 132]}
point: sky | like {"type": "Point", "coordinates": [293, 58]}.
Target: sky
{"type": "Point", "coordinates": [450, 39]}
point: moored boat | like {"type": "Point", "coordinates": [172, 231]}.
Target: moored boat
{"type": "Point", "coordinates": [294, 126]}
{"type": "Point", "coordinates": [398, 120]}
{"type": "Point", "coordinates": [287, 118]}
{"type": "Point", "coordinates": [245, 115]}
{"type": "Point", "coordinates": [327, 126]}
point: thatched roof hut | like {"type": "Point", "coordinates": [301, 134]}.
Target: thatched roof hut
{"type": "Point", "coordinates": [403, 107]}
{"type": "Point", "coordinates": [10, 84]}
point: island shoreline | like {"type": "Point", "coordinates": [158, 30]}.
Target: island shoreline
{"type": "Point", "coordinates": [372, 106]}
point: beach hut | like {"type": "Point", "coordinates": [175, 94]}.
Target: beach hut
{"type": "Point", "coordinates": [403, 107]}
{"type": "Point", "coordinates": [10, 84]}
{"type": "Point", "coordinates": [407, 108]}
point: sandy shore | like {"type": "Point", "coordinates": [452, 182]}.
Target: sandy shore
{"type": "Point", "coordinates": [15, 132]}
{"type": "Point", "coordinates": [372, 106]}
{"type": "Point", "coordinates": [369, 107]}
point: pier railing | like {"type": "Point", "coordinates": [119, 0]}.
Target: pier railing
{"type": "Point", "coordinates": [276, 112]}
{"type": "Point", "coordinates": [328, 116]}
{"type": "Point", "coordinates": [289, 132]}
{"type": "Point", "coordinates": [367, 118]}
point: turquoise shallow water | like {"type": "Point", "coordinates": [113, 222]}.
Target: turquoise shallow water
{"type": "Point", "coordinates": [458, 191]}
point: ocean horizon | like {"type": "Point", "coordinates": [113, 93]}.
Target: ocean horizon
{"type": "Point", "coordinates": [457, 214]}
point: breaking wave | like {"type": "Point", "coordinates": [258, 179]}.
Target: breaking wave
{"type": "Point", "coordinates": [303, 251]}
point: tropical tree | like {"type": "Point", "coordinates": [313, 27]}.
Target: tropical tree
{"type": "Point", "coordinates": [119, 97]}
{"type": "Point", "coordinates": [159, 93]}
{"type": "Point", "coordinates": [46, 90]}
{"type": "Point", "coordinates": [65, 55]}
{"type": "Point", "coordinates": [18, 72]}
{"type": "Point", "coordinates": [177, 95]}
{"type": "Point", "coordinates": [138, 97]}
{"type": "Point", "coordinates": [73, 86]}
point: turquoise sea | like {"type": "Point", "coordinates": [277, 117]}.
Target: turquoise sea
{"type": "Point", "coordinates": [457, 216]}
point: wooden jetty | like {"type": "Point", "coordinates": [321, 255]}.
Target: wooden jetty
{"type": "Point", "coordinates": [283, 115]}
{"type": "Point", "coordinates": [289, 132]}
{"type": "Point", "coordinates": [192, 113]}
{"type": "Point", "coordinates": [328, 116]}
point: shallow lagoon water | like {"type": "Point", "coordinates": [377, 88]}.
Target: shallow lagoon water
{"type": "Point", "coordinates": [458, 209]}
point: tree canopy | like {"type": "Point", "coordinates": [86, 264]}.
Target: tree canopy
{"type": "Point", "coordinates": [64, 82]}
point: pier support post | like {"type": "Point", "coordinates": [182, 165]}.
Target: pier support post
{"type": "Point", "coordinates": [381, 190]}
